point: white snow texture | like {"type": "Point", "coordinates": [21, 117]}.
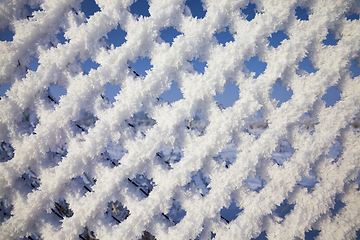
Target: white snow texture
{"type": "Point", "coordinates": [86, 168]}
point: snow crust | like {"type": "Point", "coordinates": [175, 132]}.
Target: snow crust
{"type": "Point", "coordinates": [86, 168]}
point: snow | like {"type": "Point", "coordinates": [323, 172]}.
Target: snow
{"type": "Point", "coordinates": [86, 167]}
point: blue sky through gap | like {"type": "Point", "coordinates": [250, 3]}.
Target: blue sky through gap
{"type": "Point", "coordinates": [6, 35]}
{"type": "Point", "coordinates": [306, 65]}
{"type": "Point", "coordinates": [224, 36]}
{"type": "Point", "coordinates": [353, 16]}
{"type": "Point", "coordinates": [140, 8]}
{"type": "Point", "coordinates": [301, 14]}
{"type": "Point", "coordinates": [173, 95]}
{"type": "Point", "coordinates": [330, 40]}
{"type": "Point", "coordinates": [169, 34]}
{"type": "Point", "coordinates": [116, 37]}
{"type": "Point", "coordinates": [276, 38]}
{"type": "Point", "coordinates": [250, 11]}
{"type": "Point", "coordinates": [89, 7]}
{"type": "Point", "coordinates": [196, 8]}
{"type": "Point", "coordinates": [141, 65]}
{"type": "Point", "coordinates": [61, 37]}
{"type": "Point", "coordinates": [281, 94]}
{"type": "Point", "coordinates": [255, 65]}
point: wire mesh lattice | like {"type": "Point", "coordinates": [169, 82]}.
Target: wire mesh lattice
{"type": "Point", "coordinates": [139, 167]}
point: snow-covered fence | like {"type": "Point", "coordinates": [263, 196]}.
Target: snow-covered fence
{"type": "Point", "coordinates": [85, 168]}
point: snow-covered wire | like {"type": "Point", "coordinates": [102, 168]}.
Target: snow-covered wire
{"type": "Point", "coordinates": [88, 168]}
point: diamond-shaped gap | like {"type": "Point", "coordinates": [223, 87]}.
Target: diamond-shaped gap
{"type": "Point", "coordinates": [140, 122]}
{"type": "Point", "coordinates": [229, 96]}
{"type": "Point", "coordinates": [224, 36]}
{"type": "Point", "coordinates": [284, 209]}
{"type": "Point", "coordinates": [147, 236]}
{"type": "Point", "coordinates": [21, 67]}
{"type": "Point", "coordinates": [173, 94]}
{"type": "Point", "coordinates": [175, 213]}
{"type": "Point", "coordinates": [198, 123]}
{"type": "Point", "coordinates": [250, 11]}
{"type": "Point", "coordinates": [61, 37]}
{"type": "Point", "coordinates": [201, 182]}
{"type": "Point", "coordinates": [308, 181]}
{"type": "Point", "coordinates": [32, 236]}
{"type": "Point", "coordinates": [140, 8]}
{"type": "Point", "coordinates": [230, 213]}
{"type": "Point", "coordinates": [256, 66]}
{"type": "Point", "coordinates": [277, 38]}
{"type": "Point", "coordinates": [29, 181]}
{"type": "Point", "coordinates": [80, 185]}
{"type": "Point", "coordinates": [55, 93]}
{"type": "Point", "coordinates": [85, 122]}
{"type": "Point", "coordinates": [338, 205]}
{"type": "Point", "coordinates": [89, 7]}
{"type": "Point", "coordinates": [6, 35]}
{"type": "Point", "coordinates": [117, 212]}
{"type": "Point", "coordinates": [34, 63]}
{"type": "Point", "coordinates": [116, 36]}
{"type": "Point", "coordinates": [88, 180]}
{"type": "Point", "coordinates": [103, 43]}
{"type": "Point", "coordinates": [31, 118]}
{"type": "Point", "coordinates": [308, 122]}
{"type": "Point", "coordinates": [206, 233]}
{"type": "Point", "coordinates": [142, 183]}
{"type": "Point", "coordinates": [330, 40]}
{"type": "Point", "coordinates": [196, 8]}
{"type": "Point", "coordinates": [33, 8]}
{"type": "Point", "coordinates": [5, 209]}
{"type": "Point", "coordinates": [27, 123]}
{"type": "Point", "coordinates": [281, 93]}
{"type": "Point", "coordinates": [62, 209]}
{"type": "Point", "coordinates": [3, 89]}
{"type": "Point", "coordinates": [306, 66]}
{"type": "Point", "coordinates": [301, 13]}
{"type": "Point", "coordinates": [355, 68]}
{"type": "Point", "coordinates": [262, 236]}
{"type": "Point", "coordinates": [88, 65]}
{"type": "Point", "coordinates": [257, 125]}
{"type": "Point", "coordinates": [87, 234]}
{"type": "Point", "coordinates": [198, 65]}
{"type": "Point", "coordinates": [227, 156]}
{"type": "Point", "coordinates": [311, 234]}
{"type": "Point", "coordinates": [113, 153]}
{"type": "Point", "coordinates": [282, 152]}
{"type": "Point", "coordinates": [105, 102]}
{"type": "Point", "coordinates": [6, 152]}
{"type": "Point", "coordinates": [353, 16]}
{"type": "Point", "coordinates": [335, 150]}
{"type": "Point", "coordinates": [54, 156]}
{"type": "Point", "coordinates": [169, 156]}
{"type": "Point", "coordinates": [169, 34]}
{"type": "Point", "coordinates": [331, 96]}
{"type": "Point", "coordinates": [111, 91]}
{"type": "Point", "coordinates": [33, 179]}
{"type": "Point", "coordinates": [141, 66]}
{"type": "Point", "coordinates": [255, 183]}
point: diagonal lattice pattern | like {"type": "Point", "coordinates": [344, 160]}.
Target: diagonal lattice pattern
{"type": "Point", "coordinates": [140, 167]}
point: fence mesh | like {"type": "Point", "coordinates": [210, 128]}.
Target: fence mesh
{"type": "Point", "coordinates": [140, 168]}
